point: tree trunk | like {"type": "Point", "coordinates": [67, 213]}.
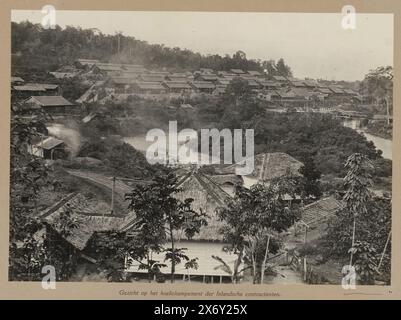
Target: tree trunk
{"type": "Point", "coordinates": [353, 241]}
{"type": "Point", "coordinates": [149, 272]}
{"type": "Point", "coordinates": [262, 273]}
{"type": "Point", "coordinates": [237, 264]}
{"type": "Point", "coordinates": [384, 251]}
{"type": "Point", "coordinates": [172, 253]}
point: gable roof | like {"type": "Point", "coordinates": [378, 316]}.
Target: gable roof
{"type": "Point", "coordinates": [279, 78]}
{"type": "Point", "coordinates": [268, 166]}
{"type": "Point", "coordinates": [269, 83]}
{"type": "Point", "coordinates": [224, 179]}
{"type": "Point", "coordinates": [152, 77]}
{"type": "Point", "coordinates": [124, 80]}
{"type": "Point", "coordinates": [16, 79]}
{"type": "Point", "coordinates": [254, 73]}
{"type": "Point", "coordinates": [86, 220]}
{"type": "Point", "coordinates": [150, 86]}
{"type": "Point", "coordinates": [36, 87]}
{"type": "Point", "coordinates": [87, 61]}
{"type": "Point", "coordinates": [177, 85]}
{"type": "Point", "coordinates": [325, 90]}
{"type": "Point", "coordinates": [237, 71]}
{"type": "Point", "coordinates": [320, 210]}
{"type": "Point", "coordinates": [109, 66]}
{"type": "Point", "coordinates": [224, 82]}
{"type": "Point", "coordinates": [49, 143]}
{"type": "Point", "coordinates": [203, 85]}
{"type": "Point", "coordinates": [298, 83]}
{"type": "Point", "coordinates": [63, 75]}
{"type": "Point", "coordinates": [178, 78]}
{"type": "Point", "coordinates": [209, 77]}
{"type": "Point", "coordinates": [208, 196]}
{"type": "Point", "coordinates": [336, 89]}
{"type": "Point", "coordinates": [50, 101]}
{"type": "Point", "coordinates": [29, 87]}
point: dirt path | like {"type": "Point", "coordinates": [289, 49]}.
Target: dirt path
{"type": "Point", "coordinates": [105, 182]}
{"type": "Point", "coordinates": [285, 275]}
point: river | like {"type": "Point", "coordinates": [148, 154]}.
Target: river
{"type": "Point", "coordinates": [187, 151]}
{"type": "Point", "coordinates": [385, 145]}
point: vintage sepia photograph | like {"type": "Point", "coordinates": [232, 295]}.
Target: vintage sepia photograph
{"type": "Point", "coordinates": [201, 147]}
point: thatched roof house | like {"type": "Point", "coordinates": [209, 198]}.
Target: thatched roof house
{"type": "Point", "coordinates": [208, 196]}
{"type": "Point", "coordinates": [321, 210]}
{"type": "Point", "coordinates": [87, 221]}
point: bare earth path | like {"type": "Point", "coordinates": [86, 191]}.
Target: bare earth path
{"type": "Point", "coordinates": [105, 182]}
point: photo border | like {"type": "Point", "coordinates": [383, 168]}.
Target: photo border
{"type": "Point", "coordinates": [103, 290]}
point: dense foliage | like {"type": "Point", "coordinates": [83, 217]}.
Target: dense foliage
{"type": "Point", "coordinates": [160, 214]}
{"type": "Point", "coordinates": [250, 218]}
{"type": "Point", "coordinates": [371, 234]}
{"type": "Point", "coordinates": [32, 245]}
{"type": "Point", "coordinates": [47, 49]}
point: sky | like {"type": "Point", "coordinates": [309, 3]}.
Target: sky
{"type": "Point", "coordinates": [314, 45]}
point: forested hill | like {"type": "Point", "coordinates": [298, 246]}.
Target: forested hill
{"type": "Point", "coordinates": [47, 49]}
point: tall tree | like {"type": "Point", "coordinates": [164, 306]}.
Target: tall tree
{"type": "Point", "coordinates": [310, 181]}
{"type": "Point", "coordinates": [378, 86]}
{"type": "Point", "coordinates": [253, 214]}
{"type": "Point", "coordinates": [283, 69]}
{"type": "Point", "coordinates": [357, 183]}
{"type": "Point", "coordinates": [161, 215]}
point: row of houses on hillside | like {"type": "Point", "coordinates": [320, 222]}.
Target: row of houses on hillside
{"type": "Point", "coordinates": [47, 97]}
{"type": "Point", "coordinates": [287, 91]}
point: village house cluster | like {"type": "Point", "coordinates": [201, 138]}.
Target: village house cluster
{"type": "Point", "coordinates": [122, 80]}
{"type": "Point", "coordinates": [209, 192]}
{"type": "Point", "coordinates": [117, 82]}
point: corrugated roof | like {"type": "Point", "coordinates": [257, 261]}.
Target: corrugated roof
{"type": "Point", "coordinates": [150, 86]}
{"type": "Point", "coordinates": [298, 83]}
{"type": "Point", "coordinates": [36, 87]}
{"type": "Point", "coordinates": [30, 87]}
{"type": "Point", "coordinates": [49, 143]}
{"type": "Point", "coordinates": [178, 78]}
{"type": "Point", "coordinates": [17, 79]}
{"type": "Point", "coordinates": [237, 71]}
{"type": "Point", "coordinates": [124, 80]}
{"type": "Point", "coordinates": [108, 67]}
{"type": "Point", "coordinates": [63, 75]}
{"type": "Point", "coordinates": [87, 61]}
{"type": "Point", "coordinates": [336, 89]}
{"type": "Point", "coordinates": [268, 83]}
{"type": "Point", "coordinates": [279, 78]}
{"type": "Point", "coordinates": [224, 82]}
{"type": "Point", "coordinates": [152, 78]}
{"type": "Point", "coordinates": [203, 85]}
{"type": "Point", "coordinates": [50, 101]}
{"type": "Point", "coordinates": [208, 77]}
{"type": "Point", "coordinates": [254, 73]}
{"type": "Point", "coordinates": [177, 85]}
{"type": "Point", "coordinates": [325, 90]}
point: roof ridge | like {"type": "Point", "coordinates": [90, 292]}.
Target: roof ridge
{"type": "Point", "coordinates": [57, 206]}
{"type": "Point", "coordinates": [215, 195]}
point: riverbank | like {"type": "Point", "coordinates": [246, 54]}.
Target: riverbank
{"type": "Point", "coordinates": [381, 143]}
{"type": "Point", "coordinates": [380, 130]}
